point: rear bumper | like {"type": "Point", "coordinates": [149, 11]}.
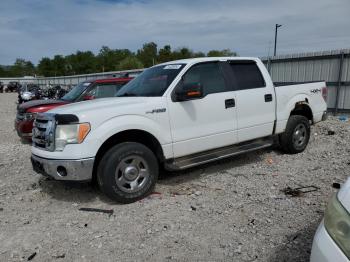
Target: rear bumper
{"type": "Point", "coordinates": [69, 170]}
{"type": "Point", "coordinates": [324, 116]}
{"type": "Point", "coordinates": [321, 116]}
{"type": "Point", "coordinates": [324, 249]}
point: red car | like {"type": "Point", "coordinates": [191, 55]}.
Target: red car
{"type": "Point", "coordinates": [83, 91]}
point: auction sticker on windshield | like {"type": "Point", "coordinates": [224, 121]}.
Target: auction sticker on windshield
{"type": "Point", "coordinates": [172, 67]}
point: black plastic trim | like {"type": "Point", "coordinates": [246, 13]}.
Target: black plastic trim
{"type": "Point", "coordinates": [66, 119]}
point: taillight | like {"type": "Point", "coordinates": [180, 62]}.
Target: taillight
{"type": "Point", "coordinates": [325, 93]}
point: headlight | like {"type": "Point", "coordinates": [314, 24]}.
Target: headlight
{"type": "Point", "coordinates": [337, 223]}
{"type": "Point", "coordinates": [29, 116]}
{"type": "Point", "coordinates": [70, 134]}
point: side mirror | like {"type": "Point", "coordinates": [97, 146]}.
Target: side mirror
{"type": "Point", "coordinates": [189, 91]}
{"type": "Point", "coordinates": [88, 97]}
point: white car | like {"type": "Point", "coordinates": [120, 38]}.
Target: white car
{"type": "Point", "coordinates": [177, 115]}
{"type": "Point", "coordinates": [332, 239]}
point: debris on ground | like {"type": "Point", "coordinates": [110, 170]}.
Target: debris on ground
{"type": "Point", "coordinates": [343, 118]}
{"type": "Point", "coordinates": [31, 256]}
{"type": "Point", "coordinates": [299, 191]}
{"type": "Point", "coordinates": [59, 256]}
{"type": "Point", "coordinates": [330, 133]}
{"type": "Point", "coordinates": [336, 185]}
{"type": "Point", "coordinates": [99, 210]}
{"type": "Point", "coordinates": [270, 161]}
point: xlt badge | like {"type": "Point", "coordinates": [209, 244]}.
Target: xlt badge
{"type": "Point", "coordinates": [157, 110]}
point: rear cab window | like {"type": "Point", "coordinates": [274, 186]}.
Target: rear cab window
{"type": "Point", "coordinates": [247, 75]}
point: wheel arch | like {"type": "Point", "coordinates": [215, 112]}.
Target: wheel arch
{"type": "Point", "coordinates": [303, 108]}
{"type": "Point", "coordinates": [130, 135]}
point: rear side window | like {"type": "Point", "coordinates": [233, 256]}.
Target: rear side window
{"type": "Point", "coordinates": [209, 75]}
{"type": "Point", "coordinates": [247, 75]}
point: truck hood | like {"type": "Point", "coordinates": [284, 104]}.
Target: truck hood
{"type": "Point", "coordinates": [36, 103]}
{"type": "Point", "coordinates": [100, 110]}
{"type": "Point", "coordinates": [97, 104]}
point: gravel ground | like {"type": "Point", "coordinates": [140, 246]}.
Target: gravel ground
{"type": "Point", "coordinates": [231, 210]}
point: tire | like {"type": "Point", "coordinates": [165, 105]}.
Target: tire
{"type": "Point", "coordinates": [127, 172]}
{"type": "Point", "coordinates": [296, 136]}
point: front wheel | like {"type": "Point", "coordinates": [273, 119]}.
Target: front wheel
{"type": "Point", "coordinates": [296, 136]}
{"type": "Point", "coordinates": [128, 172]}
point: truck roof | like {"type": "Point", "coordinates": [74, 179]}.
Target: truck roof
{"type": "Point", "coordinates": [208, 59]}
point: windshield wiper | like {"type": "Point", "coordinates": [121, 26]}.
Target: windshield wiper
{"type": "Point", "coordinates": [127, 94]}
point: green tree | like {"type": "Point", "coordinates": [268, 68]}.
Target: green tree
{"type": "Point", "coordinates": [59, 65]}
{"type": "Point", "coordinates": [82, 62]}
{"type": "Point", "coordinates": [182, 53]}
{"type": "Point", "coordinates": [148, 54]}
{"type": "Point", "coordinates": [130, 62]}
{"type": "Point", "coordinates": [22, 67]}
{"type": "Point", "coordinates": [198, 54]}
{"type": "Point", "coordinates": [3, 72]}
{"type": "Point", "coordinates": [45, 67]}
{"type": "Point", "coordinates": [224, 52]}
{"type": "Point", "coordinates": [165, 54]}
{"type": "Point", "coordinates": [109, 59]}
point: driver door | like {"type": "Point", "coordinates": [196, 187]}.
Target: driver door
{"type": "Point", "coordinates": [206, 123]}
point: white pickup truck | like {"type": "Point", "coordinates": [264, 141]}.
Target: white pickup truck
{"type": "Point", "coordinates": [177, 115]}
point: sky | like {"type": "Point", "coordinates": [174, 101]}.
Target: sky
{"type": "Point", "coordinates": [38, 28]}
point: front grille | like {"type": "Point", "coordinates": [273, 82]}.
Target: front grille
{"type": "Point", "coordinates": [43, 132]}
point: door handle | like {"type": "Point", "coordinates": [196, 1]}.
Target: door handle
{"type": "Point", "coordinates": [230, 103]}
{"type": "Point", "coordinates": [268, 97]}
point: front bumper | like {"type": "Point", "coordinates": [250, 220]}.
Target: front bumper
{"type": "Point", "coordinates": [324, 249]}
{"type": "Point", "coordinates": [59, 169]}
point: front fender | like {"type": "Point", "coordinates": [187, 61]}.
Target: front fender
{"type": "Point", "coordinates": [159, 128]}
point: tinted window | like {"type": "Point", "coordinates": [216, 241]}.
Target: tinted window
{"type": "Point", "coordinates": [248, 75]}
{"type": "Point", "coordinates": [209, 75]}
{"type": "Point", "coordinates": [104, 90]}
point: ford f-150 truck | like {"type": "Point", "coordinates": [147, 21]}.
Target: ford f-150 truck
{"type": "Point", "coordinates": [174, 115]}
{"type": "Point", "coordinates": [86, 90]}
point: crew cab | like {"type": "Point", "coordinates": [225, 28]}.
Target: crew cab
{"type": "Point", "coordinates": [177, 115]}
{"type": "Point", "coordinates": [87, 90]}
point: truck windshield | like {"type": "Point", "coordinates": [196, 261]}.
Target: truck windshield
{"type": "Point", "coordinates": [76, 91]}
{"type": "Point", "coordinates": [152, 82]}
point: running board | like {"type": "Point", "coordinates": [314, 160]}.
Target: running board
{"type": "Point", "coordinates": [216, 154]}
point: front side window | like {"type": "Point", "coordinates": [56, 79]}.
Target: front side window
{"type": "Point", "coordinates": [209, 75]}
{"type": "Point", "coordinates": [152, 82]}
{"type": "Point", "coordinates": [247, 75]}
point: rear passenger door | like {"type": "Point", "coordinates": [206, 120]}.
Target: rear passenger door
{"type": "Point", "coordinates": [255, 101]}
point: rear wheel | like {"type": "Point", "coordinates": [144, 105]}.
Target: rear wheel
{"type": "Point", "coordinates": [296, 136]}
{"type": "Point", "coordinates": [128, 172]}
